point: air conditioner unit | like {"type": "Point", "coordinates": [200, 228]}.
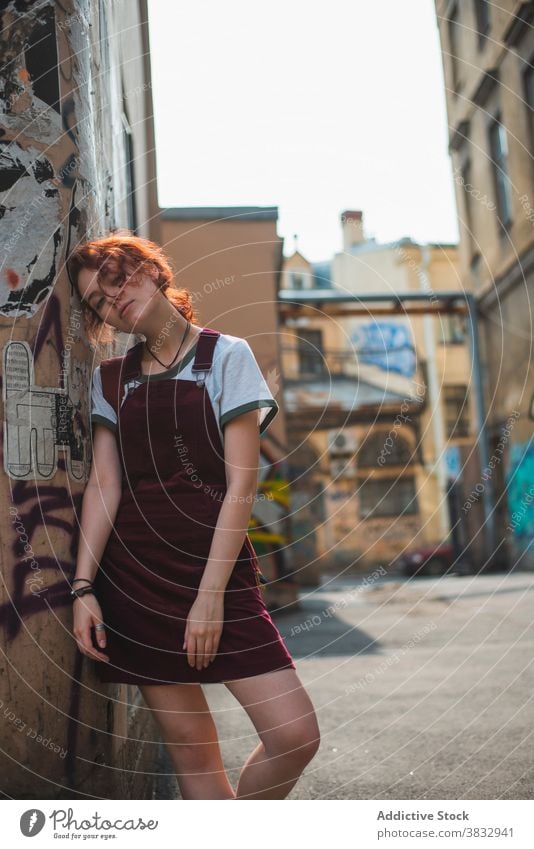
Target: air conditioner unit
{"type": "Point", "coordinates": [340, 442]}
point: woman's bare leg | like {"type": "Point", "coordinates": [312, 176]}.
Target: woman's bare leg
{"type": "Point", "coordinates": [283, 715]}
{"type": "Point", "coordinates": [189, 732]}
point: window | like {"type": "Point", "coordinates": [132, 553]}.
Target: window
{"type": "Point", "coordinates": [476, 262]}
{"type": "Point", "coordinates": [455, 400]}
{"type": "Point", "coordinates": [453, 48]}
{"type": "Point", "coordinates": [130, 186]}
{"type": "Point", "coordinates": [499, 163]}
{"type": "Point", "coordinates": [297, 280]}
{"type": "Point", "coordinates": [376, 450]}
{"type": "Point", "coordinates": [452, 329]}
{"type": "Point", "coordinates": [310, 352]}
{"type": "Point", "coordinates": [468, 214]}
{"type": "Point", "coordinates": [482, 14]}
{"type": "Point", "coordinates": [388, 497]}
{"type": "Point", "coordinates": [528, 85]}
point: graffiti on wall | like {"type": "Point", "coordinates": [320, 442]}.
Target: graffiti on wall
{"type": "Point", "coordinates": [28, 203]}
{"type": "Point", "coordinates": [520, 489]}
{"type": "Point", "coordinates": [39, 421]}
{"type": "Point", "coordinates": [29, 196]}
{"type": "Point", "coordinates": [386, 344]}
{"type": "Point", "coordinates": [55, 188]}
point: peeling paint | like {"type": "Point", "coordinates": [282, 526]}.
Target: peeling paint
{"type": "Point", "coordinates": [31, 236]}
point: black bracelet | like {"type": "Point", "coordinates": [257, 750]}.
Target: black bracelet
{"type": "Point", "coordinates": [81, 592]}
{"type": "Point", "coordinates": [82, 579]}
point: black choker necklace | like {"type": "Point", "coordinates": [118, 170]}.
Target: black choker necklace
{"type": "Point", "coordinates": [186, 331]}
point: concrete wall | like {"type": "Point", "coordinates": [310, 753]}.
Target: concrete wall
{"type": "Point", "coordinates": [73, 74]}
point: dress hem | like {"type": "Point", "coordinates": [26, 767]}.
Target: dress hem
{"type": "Point", "coordinates": [245, 674]}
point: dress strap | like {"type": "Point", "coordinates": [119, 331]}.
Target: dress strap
{"type": "Point", "coordinates": [116, 371]}
{"type": "Point", "coordinates": [204, 353]}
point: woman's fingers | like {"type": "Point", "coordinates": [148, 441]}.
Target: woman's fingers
{"type": "Point", "coordinates": [91, 652]}
{"type": "Point", "coordinates": [84, 644]}
{"type": "Point", "coordinates": [207, 652]}
{"type": "Point", "coordinates": [214, 648]}
{"type": "Point", "coordinates": [100, 633]}
{"type": "Point", "coordinates": [191, 649]}
{"type": "Point", "coordinates": [211, 652]}
{"type": "Point", "coordinates": [201, 650]}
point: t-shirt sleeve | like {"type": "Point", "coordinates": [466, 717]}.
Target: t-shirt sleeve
{"type": "Point", "coordinates": [101, 411]}
{"type": "Point", "coordinates": [244, 387]}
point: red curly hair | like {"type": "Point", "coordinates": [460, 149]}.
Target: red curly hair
{"type": "Point", "coordinates": [121, 252]}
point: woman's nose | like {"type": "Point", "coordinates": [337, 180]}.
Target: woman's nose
{"type": "Point", "coordinates": [116, 294]}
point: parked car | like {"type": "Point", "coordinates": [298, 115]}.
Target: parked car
{"type": "Point", "coordinates": [428, 560]}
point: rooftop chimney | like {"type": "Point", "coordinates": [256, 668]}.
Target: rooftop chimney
{"type": "Point", "coordinates": [352, 225]}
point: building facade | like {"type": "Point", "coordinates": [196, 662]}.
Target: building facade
{"type": "Point", "coordinates": [488, 61]}
{"type": "Point", "coordinates": [376, 401]}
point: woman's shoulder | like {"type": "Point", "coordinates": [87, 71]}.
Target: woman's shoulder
{"type": "Point", "coordinates": [227, 342]}
{"type": "Point", "coordinates": [226, 339]}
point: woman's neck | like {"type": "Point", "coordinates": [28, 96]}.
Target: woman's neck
{"type": "Point", "coordinates": [166, 348]}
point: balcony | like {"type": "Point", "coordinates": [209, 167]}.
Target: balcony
{"type": "Point", "coordinates": [335, 387]}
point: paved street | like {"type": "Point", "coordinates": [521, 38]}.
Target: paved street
{"type": "Point", "coordinates": [423, 689]}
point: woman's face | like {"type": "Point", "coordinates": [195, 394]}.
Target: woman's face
{"type": "Point", "coordinates": [115, 298]}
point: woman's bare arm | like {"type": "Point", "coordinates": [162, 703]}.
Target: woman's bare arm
{"type": "Point", "coordinates": [206, 616]}
{"type": "Point", "coordinates": [241, 457]}
{"type": "Point", "coordinates": [100, 503]}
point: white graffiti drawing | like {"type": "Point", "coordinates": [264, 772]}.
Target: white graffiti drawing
{"type": "Point", "coordinates": [42, 421]}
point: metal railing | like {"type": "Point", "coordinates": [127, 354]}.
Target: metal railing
{"type": "Point", "coordinates": [309, 364]}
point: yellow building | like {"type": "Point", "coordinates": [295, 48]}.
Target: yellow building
{"type": "Point", "coordinates": [488, 52]}
{"type": "Point", "coordinates": [374, 403]}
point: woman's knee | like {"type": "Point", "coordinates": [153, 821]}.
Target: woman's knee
{"type": "Point", "coordinates": [195, 756]}
{"type": "Point", "coordinates": [191, 739]}
{"type": "Point", "coordinates": [300, 739]}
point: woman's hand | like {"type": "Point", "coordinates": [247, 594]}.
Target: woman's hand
{"type": "Point", "coordinates": [87, 612]}
{"type": "Point", "coordinates": [204, 628]}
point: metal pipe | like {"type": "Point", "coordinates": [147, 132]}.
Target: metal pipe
{"type": "Point", "coordinates": [481, 429]}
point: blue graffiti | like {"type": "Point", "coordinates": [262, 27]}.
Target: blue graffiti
{"type": "Point", "coordinates": [520, 488]}
{"type": "Point", "coordinates": [386, 344]}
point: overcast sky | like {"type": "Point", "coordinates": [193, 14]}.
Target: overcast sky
{"type": "Point", "coordinates": [311, 107]}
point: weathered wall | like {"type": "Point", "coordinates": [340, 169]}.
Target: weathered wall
{"type": "Point", "coordinates": [497, 258]}
{"type": "Point", "coordinates": [67, 95]}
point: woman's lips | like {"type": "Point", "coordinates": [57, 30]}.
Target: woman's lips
{"type": "Point", "coordinates": [125, 308]}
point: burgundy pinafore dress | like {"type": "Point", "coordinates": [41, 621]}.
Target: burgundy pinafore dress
{"type": "Point", "coordinates": [174, 483]}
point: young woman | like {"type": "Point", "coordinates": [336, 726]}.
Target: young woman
{"type": "Point", "coordinates": [177, 600]}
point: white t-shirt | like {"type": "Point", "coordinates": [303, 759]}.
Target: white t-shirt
{"type": "Point", "coordinates": [235, 385]}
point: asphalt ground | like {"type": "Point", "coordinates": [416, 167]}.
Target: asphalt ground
{"type": "Point", "coordinates": [423, 688]}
